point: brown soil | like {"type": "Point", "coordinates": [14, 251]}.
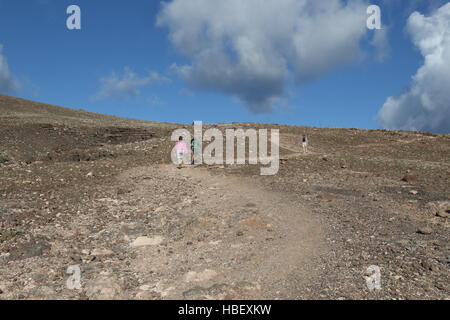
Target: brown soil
{"type": "Point", "coordinates": [99, 192]}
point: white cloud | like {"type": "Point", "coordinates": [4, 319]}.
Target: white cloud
{"type": "Point", "coordinates": [407, 7]}
{"type": "Point", "coordinates": [250, 49]}
{"type": "Point", "coordinates": [126, 85]}
{"type": "Point", "coordinates": [426, 105]}
{"type": "Point", "coordinates": [381, 44]}
{"type": "Point", "coordinates": [7, 82]}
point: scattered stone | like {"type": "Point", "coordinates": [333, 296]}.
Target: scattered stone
{"type": "Point", "coordinates": [90, 175]}
{"type": "Point", "coordinates": [425, 231]}
{"type": "Point", "coordinates": [414, 192]}
{"type": "Point", "coordinates": [443, 213]}
{"type": "Point", "coordinates": [146, 241]}
{"type": "Point", "coordinates": [411, 179]}
{"type": "Point", "coordinates": [438, 208]}
{"type": "Point", "coordinates": [205, 275]}
{"type": "Point", "coordinates": [85, 222]}
{"type": "Point", "coordinates": [327, 196]}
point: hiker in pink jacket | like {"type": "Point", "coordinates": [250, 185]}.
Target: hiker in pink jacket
{"type": "Point", "coordinates": [182, 150]}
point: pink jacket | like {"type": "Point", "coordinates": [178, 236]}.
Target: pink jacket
{"type": "Point", "coordinates": [181, 146]}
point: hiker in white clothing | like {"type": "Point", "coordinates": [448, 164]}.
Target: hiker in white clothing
{"type": "Point", "coordinates": [305, 144]}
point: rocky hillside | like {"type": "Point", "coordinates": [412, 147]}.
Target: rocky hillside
{"type": "Point", "coordinates": [32, 131]}
{"type": "Point", "coordinates": [99, 193]}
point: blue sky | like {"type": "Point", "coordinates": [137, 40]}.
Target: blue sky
{"type": "Point", "coordinates": [121, 41]}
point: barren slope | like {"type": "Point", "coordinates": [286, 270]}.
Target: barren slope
{"type": "Point", "coordinates": [99, 192]}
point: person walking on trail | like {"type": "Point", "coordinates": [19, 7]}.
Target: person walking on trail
{"type": "Point", "coordinates": [305, 144]}
{"type": "Point", "coordinates": [195, 149]}
{"type": "Point", "coordinates": [181, 149]}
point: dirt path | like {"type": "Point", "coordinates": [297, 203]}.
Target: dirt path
{"type": "Point", "coordinates": [157, 232]}
{"type": "Point", "coordinates": [219, 237]}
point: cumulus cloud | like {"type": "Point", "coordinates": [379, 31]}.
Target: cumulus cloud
{"type": "Point", "coordinates": [7, 82]}
{"type": "Point", "coordinates": [126, 85]}
{"type": "Point", "coordinates": [425, 106]}
{"type": "Point", "coordinates": [250, 49]}
{"type": "Point", "coordinates": [381, 44]}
